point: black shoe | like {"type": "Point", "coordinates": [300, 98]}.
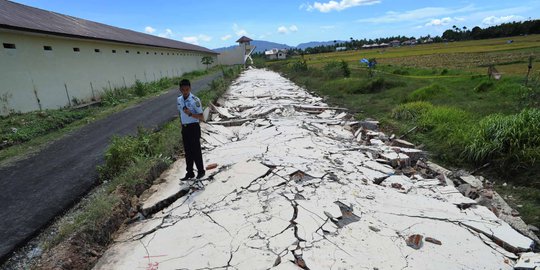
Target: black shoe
{"type": "Point", "coordinates": [201, 174]}
{"type": "Point", "coordinates": [188, 176]}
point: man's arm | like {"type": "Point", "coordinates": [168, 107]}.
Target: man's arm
{"type": "Point", "coordinates": [198, 116]}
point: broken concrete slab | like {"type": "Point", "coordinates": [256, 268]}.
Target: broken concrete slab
{"type": "Point", "coordinates": [397, 159]}
{"type": "Point", "coordinates": [528, 261]}
{"type": "Point", "coordinates": [167, 186]}
{"type": "Point", "coordinates": [473, 181]}
{"type": "Point", "coordinates": [402, 143]}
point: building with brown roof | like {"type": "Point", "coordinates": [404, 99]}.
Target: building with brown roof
{"type": "Point", "coordinates": [51, 60]}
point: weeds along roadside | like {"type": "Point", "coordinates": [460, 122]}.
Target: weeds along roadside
{"type": "Point", "coordinates": [463, 121]}
{"type": "Point", "coordinates": [131, 164]}
{"type": "Point", "coordinates": [21, 133]}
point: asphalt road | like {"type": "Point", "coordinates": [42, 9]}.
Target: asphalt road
{"type": "Point", "coordinates": [36, 190]}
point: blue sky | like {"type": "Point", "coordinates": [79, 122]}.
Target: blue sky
{"type": "Point", "coordinates": [214, 23]}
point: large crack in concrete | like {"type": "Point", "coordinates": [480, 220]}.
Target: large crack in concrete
{"type": "Point", "coordinates": [301, 185]}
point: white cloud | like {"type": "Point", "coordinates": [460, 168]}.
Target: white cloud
{"type": "Point", "coordinates": [494, 20]}
{"type": "Point", "coordinates": [167, 34]}
{"type": "Point", "coordinates": [192, 40]}
{"type": "Point", "coordinates": [285, 30]}
{"type": "Point", "coordinates": [226, 37]}
{"type": "Point", "coordinates": [239, 31]}
{"type": "Point", "coordinates": [417, 14]}
{"type": "Point", "coordinates": [440, 22]}
{"type": "Point", "coordinates": [149, 30]}
{"type": "Point", "coordinates": [197, 39]}
{"type": "Point", "coordinates": [205, 38]}
{"type": "Point", "coordinates": [341, 5]}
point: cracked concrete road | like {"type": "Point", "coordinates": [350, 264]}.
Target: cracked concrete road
{"type": "Point", "coordinates": [298, 187]}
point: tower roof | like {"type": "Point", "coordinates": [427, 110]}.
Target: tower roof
{"type": "Point", "coordinates": [244, 39]}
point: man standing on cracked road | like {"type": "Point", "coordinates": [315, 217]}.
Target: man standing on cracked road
{"type": "Point", "coordinates": [191, 112]}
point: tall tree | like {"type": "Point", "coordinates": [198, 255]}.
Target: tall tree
{"type": "Point", "coordinates": [207, 60]}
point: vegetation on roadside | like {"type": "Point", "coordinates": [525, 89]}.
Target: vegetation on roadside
{"type": "Point", "coordinates": [131, 164]}
{"type": "Point", "coordinates": [23, 132]}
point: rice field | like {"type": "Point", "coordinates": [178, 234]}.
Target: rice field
{"type": "Point", "coordinates": [468, 56]}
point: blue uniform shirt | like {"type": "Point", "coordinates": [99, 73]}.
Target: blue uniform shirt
{"type": "Point", "coordinates": [193, 103]}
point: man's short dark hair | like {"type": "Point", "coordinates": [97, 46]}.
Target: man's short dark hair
{"type": "Point", "coordinates": [185, 82]}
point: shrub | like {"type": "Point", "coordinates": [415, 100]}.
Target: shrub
{"type": "Point", "coordinates": [428, 92]}
{"type": "Point", "coordinates": [140, 89]}
{"type": "Point", "coordinates": [411, 110]}
{"type": "Point", "coordinates": [376, 85]}
{"type": "Point", "coordinates": [512, 140]}
{"type": "Point", "coordinates": [484, 86]}
{"type": "Point", "coordinates": [345, 69]}
{"type": "Point", "coordinates": [299, 66]}
{"type": "Point", "coordinates": [115, 96]}
{"type": "Point", "coordinates": [125, 151]}
{"type": "Point", "coordinates": [444, 71]}
{"type": "Point", "coordinates": [401, 72]}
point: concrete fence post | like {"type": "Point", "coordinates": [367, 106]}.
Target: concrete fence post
{"type": "Point", "coordinates": [67, 94]}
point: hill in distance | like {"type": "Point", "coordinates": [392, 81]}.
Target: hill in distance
{"type": "Point", "coordinates": [262, 46]}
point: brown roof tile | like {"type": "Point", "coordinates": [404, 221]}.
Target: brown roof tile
{"type": "Point", "coordinates": [20, 17]}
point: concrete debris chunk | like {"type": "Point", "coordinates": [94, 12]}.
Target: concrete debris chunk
{"type": "Point", "coordinates": [370, 124]}
{"type": "Point", "coordinates": [397, 159]}
{"type": "Point", "coordinates": [528, 261]}
{"type": "Point", "coordinates": [415, 241]}
{"type": "Point", "coordinates": [473, 181]}
{"type": "Point", "coordinates": [433, 241]}
{"type": "Point", "coordinates": [211, 166]}
{"type": "Point", "coordinates": [402, 143]}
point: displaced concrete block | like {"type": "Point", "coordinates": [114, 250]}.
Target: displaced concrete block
{"type": "Point", "coordinates": [211, 166]}
{"type": "Point", "coordinates": [370, 124]}
{"type": "Point", "coordinates": [397, 159]}
{"type": "Point", "coordinates": [402, 143]}
{"type": "Point", "coordinates": [528, 261]}
{"type": "Point", "coordinates": [415, 241]}
{"type": "Point", "coordinates": [414, 154]}
{"type": "Point", "coordinates": [433, 240]}
{"type": "Point", "coordinates": [473, 181]}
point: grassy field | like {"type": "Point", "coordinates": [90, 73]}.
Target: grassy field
{"type": "Point", "coordinates": [466, 56]}
{"type": "Point", "coordinates": [463, 118]}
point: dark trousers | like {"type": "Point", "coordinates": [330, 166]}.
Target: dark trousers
{"type": "Point", "coordinates": [191, 137]}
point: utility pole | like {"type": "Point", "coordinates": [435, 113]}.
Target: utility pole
{"type": "Point", "coordinates": [529, 70]}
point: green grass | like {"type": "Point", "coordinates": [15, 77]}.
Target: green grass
{"type": "Point", "coordinates": [35, 130]}
{"type": "Point", "coordinates": [428, 92]}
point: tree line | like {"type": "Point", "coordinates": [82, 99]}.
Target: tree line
{"type": "Point", "coordinates": [455, 34]}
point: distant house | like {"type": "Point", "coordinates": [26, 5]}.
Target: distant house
{"type": "Point", "coordinates": [409, 42]}
{"type": "Point", "coordinates": [395, 43]}
{"type": "Point", "coordinates": [274, 54]}
{"type": "Point", "coordinates": [427, 40]}
{"type": "Point", "coordinates": [338, 49]}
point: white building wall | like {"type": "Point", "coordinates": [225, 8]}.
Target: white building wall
{"type": "Point", "coordinates": [234, 56]}
{"type": "Point", "coordinates": [29, 72]}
